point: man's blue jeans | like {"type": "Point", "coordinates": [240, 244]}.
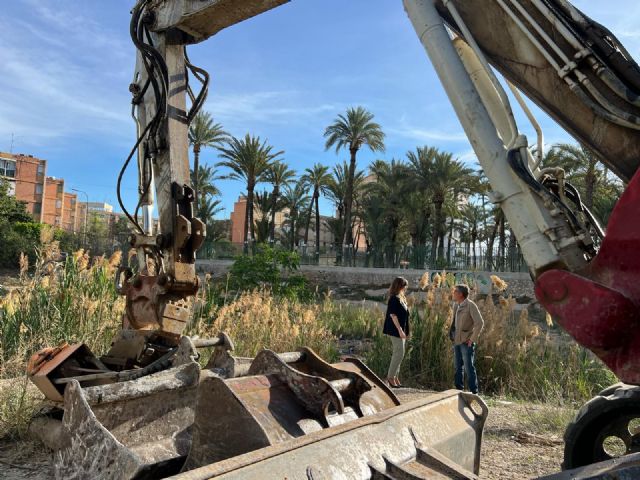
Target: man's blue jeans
{"type": "Point", "coordinates": [464, 355]}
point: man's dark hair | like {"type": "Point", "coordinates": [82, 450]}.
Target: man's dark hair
{"type": "Point", "coordinates": [463, 289]}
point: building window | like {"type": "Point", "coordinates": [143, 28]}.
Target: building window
{"type": "Point", "coordinates": [58, 220]}
{"type": "Point", "coordinates": [59, 188]}
{"type": "Point", "coordinates": [58, 203]}
{"type": "Point", "coordinates": [38, 189]}
{"type": "Point", "coordinates": [7, 168]}
{"type": "Point", "coordinates": [37, 207]}
{"type": "Point", "coordinates": [40, 169]}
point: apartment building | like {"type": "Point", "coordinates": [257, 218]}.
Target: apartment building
{"type": "Point", "coordinates": [52, 211]}
{"type": "Point", "coordinates": [70, 212]}
{"type": "Point", "coordinates": [238, 214]}
{"type": "Point", "coordinates": [26, 177]}
{"type": "Point", "coordinates": [238, 218]}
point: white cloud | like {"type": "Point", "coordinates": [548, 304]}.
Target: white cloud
{"type": "Point", "coordinates": [52, 91]}
{"type": "Point", "coordinates": [427, 134]}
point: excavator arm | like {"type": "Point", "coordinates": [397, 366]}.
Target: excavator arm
{"type": "Point", "coordinates": [150, 411]}
{"type": "Point", "coordinates": [583, 77]}
{"type": "Point", "coordinates": [159, 291]}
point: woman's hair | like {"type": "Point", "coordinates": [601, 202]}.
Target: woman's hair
{"type": "Point", "coordinates": [397, 285]}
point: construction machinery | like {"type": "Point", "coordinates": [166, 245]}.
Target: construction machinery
{"type": "Point", "coordinates": [146, 409]}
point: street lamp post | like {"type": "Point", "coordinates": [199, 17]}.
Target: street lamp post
{"type": "Point", "coordinates": [86, 214]}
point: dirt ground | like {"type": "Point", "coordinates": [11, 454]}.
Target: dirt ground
{"type": "Point", "coordinates": [520, 441]}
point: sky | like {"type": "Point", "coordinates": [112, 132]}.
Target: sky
{"type": "Point", "coordinates": [285, 75]}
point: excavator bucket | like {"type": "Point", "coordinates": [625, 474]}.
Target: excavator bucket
{"type": "Point", "coordinates": [289, 415]}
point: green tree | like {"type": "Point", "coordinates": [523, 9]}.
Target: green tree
{"type": "Point", "coordinates": [449, 176]}
{"type": "Point", "coordinates": [336, 191]}
{"type": "Point", "coordinates": [18, 232]}
{"type": "Point", "coordinates": [472, 218]}
{"type": "Point", "coordinates": [203, 132]}
{"type": "Point", "coordinates": [248, 159]}
{"type": "Point", "coordinates": [296, 199]}
{"type": "Point", "coordinates": [352, 131]}
{"type": "Point", "coordinates": [278, 175]}
{"type": "Point", "coordinates": [263, 202]}
{"type": "Point", "coordinates": [391, 187]}
{"type": "Point", "coordinates": [318, 180]}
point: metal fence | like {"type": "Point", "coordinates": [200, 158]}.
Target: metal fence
{"type": "Point", "coordinates": [408, 256]}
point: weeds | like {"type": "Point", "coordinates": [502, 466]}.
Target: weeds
{"type": "Point", "coordinates": [77, 302]}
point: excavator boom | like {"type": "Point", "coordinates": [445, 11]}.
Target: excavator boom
{"type": "Point", "coordinates": [151, 411]}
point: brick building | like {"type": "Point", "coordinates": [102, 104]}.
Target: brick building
{"type": "Point", "coordinates": [238, 218]}
{"type": "Point", "coordinates": [52, 211]}
{"type": "Point", "coordinates": [26, 177]}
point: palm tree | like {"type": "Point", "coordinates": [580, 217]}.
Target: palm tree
{"type": "Point", "coordinates": [248, 159]}
{"type": "Point", "coordinates": [205, 180]}
{"type": "Point", "coordinates": [318, 179]}
{"type": "Point", "coordinates": [336, 192]}
{"type": "Point", "coordinates": [207, 210]}
{"type": "Point", "coordinates": [581, 165]}
{"type": "Point", "coordinates": [376, 229]}
{"type": "Point", "coordinates": [203, 132]}
{"type": "Point", "coordinates": [278, 175]}
{"type": "Point", "coordinates": [473, 216]}
{"type": "Point", "coordinates": [448, 176]}
{"type": "Point", "coordinates": [352, 132]}
{"type": "Point", "coordinates": [263, 202]}
{"type": "Point", "coordinates": [392, 187]}
{"type": "Point", "coordinates": [297, 201]}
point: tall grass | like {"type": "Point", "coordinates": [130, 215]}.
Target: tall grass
{"type": "Point", "coordinates": [73, 302]}
{"type": "Point", "coordinates": [77, 302]}
{"type": "Point", "coordinates": [514, 358]}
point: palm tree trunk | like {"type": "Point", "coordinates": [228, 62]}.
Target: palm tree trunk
{"type": "Point", "coordinates": [348, 200]}
{"type": "Point", "coordinates": [473, 243]}
{"type": "Point", "coordinates": [501, 242]}
{"type": "Point", "coordinates": [317, 200]}
{"type": "Point", "coordinates": [306, 230]}
{"type": "Point", "coordinates": [449, 242]}
{"type": "Point", "coordinates": [249, 227]}
{"type": "Point", "coordinates": [491, 240]}
{"type": "Point", "coordinates": [513, 244]}
{"type": "Point", "coordinates": [436, 232]}
{"type": "Point", "coordinates": [196, 167]}
{"type": "Point", "coordinates": [590, 185]}
{"type": "Point", "coordinates": [293, 214]}
{"type": "Point", "coordinates": [272, 233]}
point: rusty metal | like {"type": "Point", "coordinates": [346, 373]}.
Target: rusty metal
{"type": "Point", "coordinates": [283, 397]}
{"type": "Point", "coordinates": [449, 423]}
{"type": "Point", "coordinates": [66, 361]}
{"type": "Point", "coordinates": [316, 394]}
{"type": "Point", "coordinates": [128, 429]}
{"type": "Point", "coordinates": [184, 418]}
{"type": "Point", "coordinates": [222, 341]}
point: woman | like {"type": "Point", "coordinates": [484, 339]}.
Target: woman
{"type": "Point", "coordinates": [396, 325]}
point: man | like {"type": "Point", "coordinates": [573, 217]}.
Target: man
{"type": "Point", "coordinates": [465, 329]}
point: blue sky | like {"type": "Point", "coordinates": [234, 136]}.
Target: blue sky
{"type": "Point", "coordinates": [285, 75]}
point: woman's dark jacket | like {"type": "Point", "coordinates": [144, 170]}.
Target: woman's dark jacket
{"type": "Point", "coordinates": [395, 306]}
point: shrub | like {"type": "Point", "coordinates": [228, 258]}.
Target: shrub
{"type": "Point", "coordinates": [271, 268]}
